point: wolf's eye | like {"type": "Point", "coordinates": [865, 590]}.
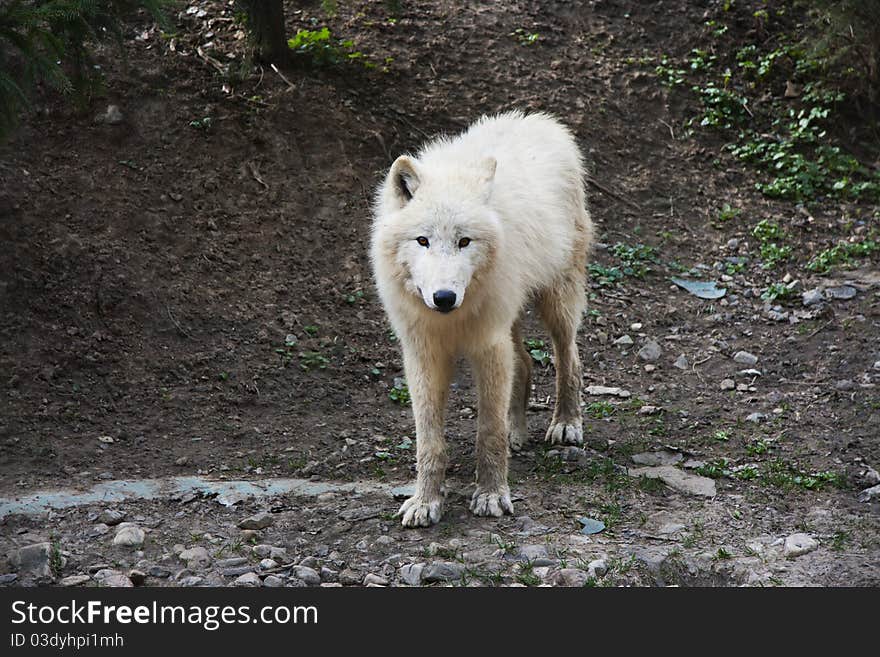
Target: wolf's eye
{"type": "Point", "coordinates": [463, 242]}
{"type": "Point", "coordinates": [423, 241]}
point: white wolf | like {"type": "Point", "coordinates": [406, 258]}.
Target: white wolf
{"type": "Point", "coordinates": [465, 234]}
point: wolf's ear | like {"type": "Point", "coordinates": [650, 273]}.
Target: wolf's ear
{"type": "Point", "coordinates": [404, 179]}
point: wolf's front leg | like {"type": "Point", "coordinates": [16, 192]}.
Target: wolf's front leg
{"type": "Point", "coordinates": [493, 366]}
{"type": "Point", "coordinates": [428, 375]}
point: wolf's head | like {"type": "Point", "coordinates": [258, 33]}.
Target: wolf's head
{"type": "Point", "coordinates": [436, 229]}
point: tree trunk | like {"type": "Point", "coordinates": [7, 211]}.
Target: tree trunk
{"type": "Point", "coordinates": [267, 32]}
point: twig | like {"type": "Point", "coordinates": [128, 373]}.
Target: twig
{"type": "Point", "coordinates": [210, 60]}
{"type": "Point", "coordinates": [176, 323]}
{"type": "Point", "coordinates": [671, 131]}
{"type": "Point", "coordinates": [256, 174]}
{"type": "Point", "coordinates": [290, 84]}
{"type": "Point", "coordinates": [821, 328]}
{"type": "Point", "coordinates": [605, 190]}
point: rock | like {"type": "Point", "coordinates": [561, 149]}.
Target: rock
{"type": "Point", "coordinates": [273, 581]}
{"type": "Point", "coordinates": [268, 564]}
{"type": "Point", "coordinates": [191, 580]}
{"type": "Point", "coordinates": [248, 580]}
{"type": "Point", "coordinates": [411, 573]}
{"type": "Point", "coordinates": [231, 562]}
{"type": "Point", "coordinates": [869, 494]}
{"type": "Point", "coordinates": [877, 365]}
{"type": "Point", "coordinates": [812, 297]}
{"type": "Point", "coordinates": [535, 555]}
{"type": "Point", "coordinates": [624, 341]}
{"type": "Point", "coordinates": [651, 351]}
{"type": "Point", "coordinates": [798, 544]}
{"type": "Point", "coordinates": [649, 410]}
{"type": "Point", "coordinates": [597, 568]}
{"type": "Point", "coordinates": [745, 358]}
{"type": "Point", "coordinates": [844, 385]}
{"type": "Point", "coordinates": [755, 417]}
{"type": "Point", "coordinates": [679, 480]}
{"type": "Point", "coordinates": [605, 390]}
{"type": "Point", "coordinates": [728, 384]}
{"type": "Point", "coordinates": [871, 476]}
{"type": "Point", "coordinates": [732, 244]}
{"type": "Point", "coordinates": [235, 571]}
{"type": "Point", "coordinates": [110, 517]}
{"type": "Point", "coordinates": [8, 578]}
{"type": "Point", "coordinates": [328, 574]}
{"type": "Point", "coordinates": [349, 577]}
{"type": "Point", "coordinates": [75, 580]}
{"type": "Point", "coordinates": [137, 577]}
{"type": "Point", "coordinates": [196, 557]}
{"type": "Point", "coordinates": [113, 579]}
{"type": "Point", "coordinates": [34, 560]}
{"type": "Point", "coordinates": [375, 580]}
{"type": "Point", "coordinates": [113, 116]}
{"type": "Point", "coordinates": [663, 457]}
{"type": "Point", "coordinates": [309, 575]}
{"type": "Point", "coordinates": [841, 292]}
{"type": "Point", "coordinates": [159, 572]}
{"type": "Point", "coordinates": [256, 522]}
{"type": "Point", "coordinates": [571, 577]}
{"type": "Point", "coordinates": [443, 571]}
{"type": "Point", "coordinates": [681, 362]}
{"type": "Point", "coordinates": [129, 535]}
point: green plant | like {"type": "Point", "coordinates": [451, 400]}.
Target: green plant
{"type": "Point", "coordinates": [538, 351]}
{"type": "Point", "coordinates": [600, 409]}
{"type": "Point", "coordinates": [605, 276]}
{"type": "Point", "coordinates": [777, 291]}
{"type": "Point", "coordinates": [524, 37]}
{"type": "Point", "coordinates": [321, 48]}
{"type": "Point", "coordinates": [634, 259]}
{"type": "Point", "coordinates": [400, 393]}
{"type": "Point", "coordinates": [728, 213]}
{"type": "Point", "coordinates": [714, 469]}
{"type": "Point", "coordinates": [842, 253]}
{"type": "Point", "coordinates": [310, 360]}
{"type": "Point", "coordinates": [49, 40]}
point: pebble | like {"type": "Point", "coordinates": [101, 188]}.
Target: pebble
{"type": "Point", "coordinates": [745, 358]}
{"type": "Point", "coordinates": [328, 574]}
{"type": "Point", "coordinates": [113, 579]}
{"type": "Point", "coordinates": [798, 544]}
{"type": "Point", "coordinates": [443, 571]}
{"type": "Point", "coordinates": [129, 535]}
{"type": "Point", "coordinates": [877, 365]}
{"type": "Point", "coordinates": [651, 351]}
{"type": "Point", "coordinates": [349, 577]}
{"type": "Point", "coordinates": [137, 577]}
{"type": "Point", "coordinates": [571, 577]}
{"type": "Point", "coordinates": [248, 579]}
{"type": "Point", "coordinates": [605, 390]}
{"type": "Point", "coordinates": [535, 555]}
{"type": "Point", "coordinates": [870, 494]}
{"type": "Point", "coordinates": [812, 297]}
{"type": "Point", "coordinates": [256, 522]}
{"type": "Point", "coordinates": [679, 480]}
{"type": "Point", "coordinates": [844, 385]}
{"type": "Point", "coordinates": [75, 580]}
{"type": "Point", "coordinates": [597, 568]}
{"type": "Point", "coordinates": [728, 384]}
{"type": "Point", "coordinates": [8, 578]}
{"type": "Point", "coordinates": [308, 575]}
{"type": "Point", "coordinates": [841, 292]}
{"type": "Point", "coordinates": [755, 417]}
{"type": "Point", "coordinates": [375, 580]}
{"type": "Point", "coordinates": [113, 116]}
{"type": "Point", "coordinates": [273, 581]}
{"type": "Point", "coordinates": [159, 572]}
{"type": "Point", "coordinates": [268, 564]}
{"type": "Point", "coordinates": [191, 580]}
{"type": "Point", "coordinates": [681, 362]}
{"type": "Point", "coordinates": [235, 571]}
{"type": "Point", "coordinates": [624, 341]}
{"type": "Point", "coordinates": [231, 562]}
{"type": "Point", "coordinates": [195, 557]}
{"type": "Point", "coordinates": [411, 573]}
{"type": "Point", "coordinates": [110, 517]}
{"type": "Point", "coordinates": [34, 560]}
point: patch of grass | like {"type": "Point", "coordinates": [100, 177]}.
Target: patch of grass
{"type": "Point", "coordinates": [770, 236]}
{"type": "Point", "coordinates": [714, 469]}
{"type": "Point", "coordinates": [312, 360]}
{"type": "Point", "coordinates": [840, 540]}
{"type": "Point", "coordinates": [728, 213]}
{"type": "Point", "coordinates": [525, 37]}
{"type": "Point", "coordinates": [599, 410]}
{"type": "Point", "coordinates": [758, 447]}
{"type": "Point", "coordinates": [400, 393]}
{"type": "Point", "coordinates": [321, 48]}
{"type": "Point", "coordinates": [842, 253]}
{"type": "Point", "coordinates": [605, 276]}
{"type": "Point", "coordinates": [721, 554]}
{"type": "Point", "coordinates": [526, 575]}
{"type": "Point", "coordinates": [785, 475]}
{"type": "Point", "coordinates": [634, 259]}
{"type": "Point", "coordinates": [777, 292]}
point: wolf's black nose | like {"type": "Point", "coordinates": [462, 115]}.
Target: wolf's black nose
{"type": "Point", "coordinates": [444, 300]}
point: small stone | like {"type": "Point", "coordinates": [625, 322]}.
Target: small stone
{"type": "Point", "coordinates": [679, 480]}
{"type": "Point", "coordinates": [844, 385]}
{"type": "Point", "coordinates": [113, 579]}
{"type": "Point", "coordinates": [231, 562]}
{"type": "Point", "coordinates": [745, 358]}
{"type": "Point", "coordinates": [733, 244]}
{"type": "Point", "coordinates": [571, 577]}
{"type": "Point", "coordinates": [309, 575]}
{"type": "Point", "coordinates": [728, 384]}
{"type": "Point", "coordinates": [129, 535]}
{"type": "Point", "coordinates": [256, 522]}
{"type": "Point", "coordinates": [624, 341]}
{"type": "Point", "coordinates": [273, 581]}
{"type": "Point", "coordinates": [249, 580]}
{"type": "Point", "coordinates": [110, 517]}
{"type": "Point", "coordinates": [605, 390]}
{"type": "Point", "coordinates": [8, 578]}
{"type": "Point", "coordinates": [137, 577]}
{"type": "Point", "coordinates": [443, 571]}
{"type": "Point", "coordinates": [375, 580]}
{"type": "Point", "coordinates": [34, 560]}
{"type": "Point", "coordinates": [75, 580]}
{"type": "Point", "coordinates": [597, 568]}
{"type": "Point", "coordinates": [798, 544]}
{"type": "Point", "coordinates": [113, 116]}
{"type": "Point", "coordinates": [196, 557]}
{"type": "Point", "coordinates": [235, 571]}
{"type": "Point", "coordinates": [812, 297]}
{"type": "Point", "coordinates": [664, 457]}
{"type": "Point", "coordinates": [191, 580]}
{"type": "Point", "coordinates": [681, 362]}
{"type": "Point", "coordinates": [870, 494]}
{"type": "Point", "coordinates": [411, 573]}
{"type": "Point", "coordinates": [841, 292]}
{"type": "Point", "coordinates": [268, 564]}
{"type": "Point", "coordinates": [872, 477]}
{"type": "Point", "coordinates": [159, 572]}
{"type": "Point", "coordinates": [877, 365]}
{"type": "Point", "coordinates": [535, 555]}
{"type": "Point", "coordinates": [183, 460]}
{"type": "Point", "coordinates": [651, 351]}
{"type": "Point", "coordinates": [649, 410]}
{"type": "Point", "coordinates": [756, 417]}
{"type": "Point", "coordinates": [328, 574]}
{"type": "Point", "coordinates": [349, 577]}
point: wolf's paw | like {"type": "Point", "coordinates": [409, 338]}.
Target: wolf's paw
{"type": "Point", "coordinates": [491, 503]}
{"type": "Point", "coordinates": [517, 440]}
{"type": "Point", "coordinates": [566, 433]}
{"type": "Point", "coordinates": [419, 512]}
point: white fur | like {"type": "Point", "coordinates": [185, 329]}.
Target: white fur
{"type": "Point", "coordinates": [512, 185]}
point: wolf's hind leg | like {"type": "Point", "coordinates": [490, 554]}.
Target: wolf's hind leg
{"type": "Point", "coordinates": [561, 308]}
{"type": "Point", "coordinates": [519, 399]}
{"type": "Point", "coordinates": [493, 367]}
{"type": "Point", "coordinates": [428, 375]}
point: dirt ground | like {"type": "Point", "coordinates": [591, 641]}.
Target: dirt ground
{"type": "Point", "coordinates": [187, 292]}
